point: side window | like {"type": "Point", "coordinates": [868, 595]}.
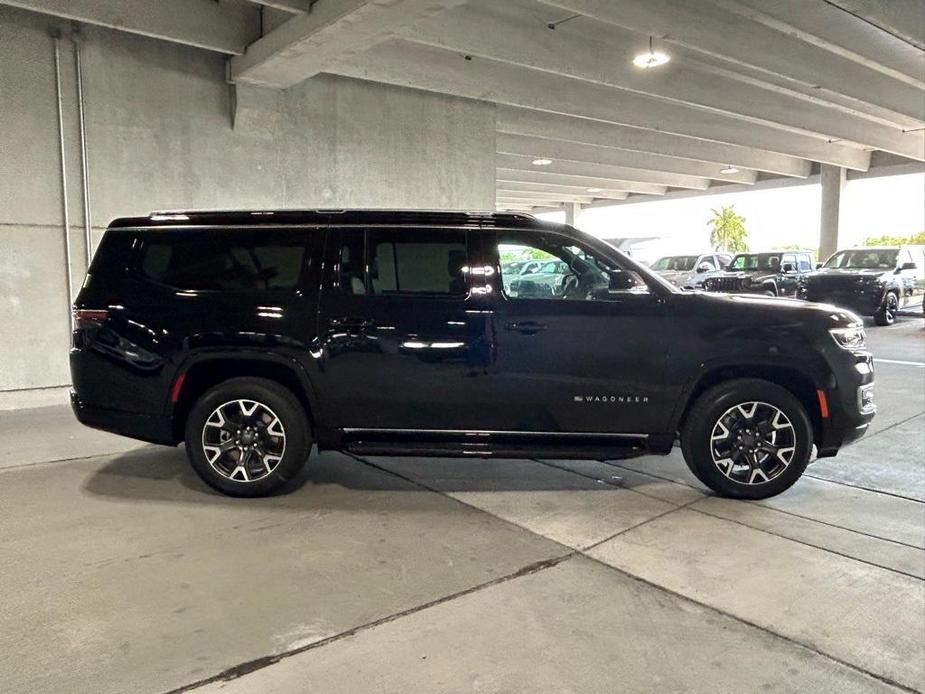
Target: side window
{"type": "Point", "coordinates": [805, 263]}
{"type": "Point", "coordinates": [566, 270]}
{"type": "Point", "coordinates": [386, 262]}
{"type": "Point", "coordinates": [788, 259]}
{"type": "Point", "coordinates": [706, 260]}
{"type": "Point", "coordinates": [224, 259]}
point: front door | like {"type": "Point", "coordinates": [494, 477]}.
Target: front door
{"type": "Point", "coordinates": [403, 338]}
{"type": "Point", "coordinates": [581, 348]}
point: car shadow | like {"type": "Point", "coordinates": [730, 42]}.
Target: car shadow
{"type": "Point", "coordinates": [157, 473]}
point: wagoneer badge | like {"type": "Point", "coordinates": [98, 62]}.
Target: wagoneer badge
{"type": "Point", "coordinates": [616, 399]}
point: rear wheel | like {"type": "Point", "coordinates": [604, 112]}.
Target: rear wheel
{"type": "Point", "coordinates": [747, 438]}
{"type": "Point", "coordinates": [247, 437]}
{"type": "Point", "coordinates": [886, 314]}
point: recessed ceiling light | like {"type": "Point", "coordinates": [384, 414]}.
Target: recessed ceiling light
{"type": "Point", "coordinates": [594, 190]}
{"type": "Point", "coordinates": [542, 162]}
{"type": "Point", "coordinates": [729, 170]}
{"type": "Point", "coordinates": [651, 59]}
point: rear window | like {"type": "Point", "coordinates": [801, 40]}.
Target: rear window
{"type": "Point", "coordinates": [227, 260]}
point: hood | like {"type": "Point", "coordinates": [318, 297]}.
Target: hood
{"type": "Point", "coordinates": [848, 272]}
{"type": "Point", "coordinates": [678, 277]}
{"type": "Point", "coordinates": [752, 274]}
{"type": "Point", "coordinates": [744, 310]}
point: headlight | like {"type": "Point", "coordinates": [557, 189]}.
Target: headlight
{"type": "Point", "coordinates": [849, 338]}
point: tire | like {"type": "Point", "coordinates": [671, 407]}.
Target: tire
{"type": "Point", "coordinates": [886, 314]}
{"type": "Point", "coordinates": [247, 437]}
{"type": "Point", "coordinates": [728, 406]}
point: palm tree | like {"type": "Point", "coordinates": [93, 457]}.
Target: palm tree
{"type": "Point", "coordinates": [728, 232]}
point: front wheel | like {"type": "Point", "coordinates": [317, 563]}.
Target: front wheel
{"type": "Point", "coordinates": [886, 314]}
{"type": "Point", "coordinates": [747, 439]}
{"type": "Point", "coordinates": [247, 437]}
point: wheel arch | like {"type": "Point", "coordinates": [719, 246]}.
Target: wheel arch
{"type": "Point", "coordinates": [796, 381]}
{"type": "Point", "coordinates": [204, 372]}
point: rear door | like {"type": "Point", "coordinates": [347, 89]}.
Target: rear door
{"type": "Point", "coordinates": [403, 341]}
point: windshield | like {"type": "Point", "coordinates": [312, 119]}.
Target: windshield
{"type": "Point", "coordinates": [861, 259]}
{"type": "Point", "coordinates": [756, 261]}
{"type": "Point", "coordinates": [677, 263]}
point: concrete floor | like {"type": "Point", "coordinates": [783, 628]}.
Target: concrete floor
{"type": "Point", "coordinates": [121, 572]}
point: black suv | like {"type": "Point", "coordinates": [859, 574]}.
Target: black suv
{"type": "Point", "coordinates": [775, 273]}
{"type": "Point", "coordinates": [253, 335]}
{"type": "Point", "coordinates": [874, 281]}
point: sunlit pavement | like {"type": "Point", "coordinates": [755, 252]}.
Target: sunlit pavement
{"type": "Point", "coordinates": [121, 572]}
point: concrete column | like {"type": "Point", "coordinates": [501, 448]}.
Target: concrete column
{"type": "Point", "coordinates": [833, 185]}
{"type": "Point", "coordinates": [572, 213]}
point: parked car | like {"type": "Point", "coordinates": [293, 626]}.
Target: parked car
{"type": "Point", "coordinates": [685, 270]}
{"type": "Point", "coordinates": [546, 279]}
{"type": "Point", "coordinates": [776, 273]}
{"type": "Point", "coordinates": [393, 333]}
{"type": "Point", "coordinates": [873, 281]}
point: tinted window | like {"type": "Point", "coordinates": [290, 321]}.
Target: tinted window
{"type": "Point", "coordinates": [575, 272]}
{"type": "Point", "coordinates": [224, 259]}
{"type": "Point", "coordinates": [680, 263]}
{"type": "Point", "coordinates": [756, 261]}
{"type": "Point", "coordinates": [864, 258]}
{"type": "Point", "coordinates": [382, 262]}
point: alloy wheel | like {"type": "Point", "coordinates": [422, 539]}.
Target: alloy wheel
{"type": "Point", "coordinates": [243, 440]}
{"type": "Point", "coordinates": [753, 442]}
{"type": "Point", "coordinates": [892, 305]}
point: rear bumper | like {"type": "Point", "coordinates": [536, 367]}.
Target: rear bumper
{"type": "Point", "coordinates": [148, 428]}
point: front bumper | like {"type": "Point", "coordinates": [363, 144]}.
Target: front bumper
{"type": "Point", "coordinates": [849, 398]}
{"type": "Point", "coordinates": [865, 302]}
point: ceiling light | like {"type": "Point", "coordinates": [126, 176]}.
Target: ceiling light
{"type": "Point", "coordinates": [594, 190]}
{"type": "Point", "coordinates": [651, 59]}
{"type": "Point", "coordinates": [729, 170]}
{"type": "Point", "coordinates": [542, 162]}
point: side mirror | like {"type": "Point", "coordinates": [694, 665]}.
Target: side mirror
{"type": "Point", "coordinates": [818, 266]}
{"type": "Point", "coordinates": [908, 266]}
{"type": "Point", "coordinates": [787, 268]}
{"type": "Point", "coordinates": [703, 267]}
{"type": "Point", "coordinates": [619, 282]}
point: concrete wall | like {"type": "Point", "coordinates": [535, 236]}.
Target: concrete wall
{"type": "Point", "coordinates": [164, 131]}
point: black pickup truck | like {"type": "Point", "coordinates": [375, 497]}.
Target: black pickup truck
{"type": "Point", "coordinates": [251, 336]}
{"type": "Point", "coordinates": [775, 273]}
{"type": "Point", "coordinates": [873, 281]}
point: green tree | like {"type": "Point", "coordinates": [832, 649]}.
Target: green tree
{"type": "Point", "coordinates": [728, 232]}
{"type": "Point", "coordinates": [887, 240]}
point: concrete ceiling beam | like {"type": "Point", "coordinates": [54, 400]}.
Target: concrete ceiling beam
{"type": "Point", "coordinates": [901, 18]}
{"type": "Point", "coordinates": [504, 187]}
{"type": "Point", "coordinates": [828, 26]}
{"type": "Point", "coordinates": [542, 199]}
{"type": "Point", "coordinates": [575, 180]}
{"type": "Point", "coordinates": [225, 28]}
{"type": "Point", "coordinates": [309, 43]}
{"type": "Point", "coordinates": [714, 31]}
{"type": "Point", "coordinates": [655, 147]}
{"type": "Point", "coordinates": [291, 6]}
{"type": "Point", "coordinates": [437, 70]}
{"type": "Point", "coordinates": [602, 54]}
{"type": "Point", "coordinates": [641, 164]}
{"type": "Point", "coordinates": [524, 150]}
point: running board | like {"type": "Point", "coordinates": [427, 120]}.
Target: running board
{"type": "Point", "coordinates": [493, 444]}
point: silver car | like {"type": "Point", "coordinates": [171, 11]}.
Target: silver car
{"type": "Point", "coordinates": [687, 271]}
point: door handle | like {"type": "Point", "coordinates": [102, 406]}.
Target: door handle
{"type": "Point", "coordinates": [527, 327]}
{"type": "Point", "coordinates": [352, 323]}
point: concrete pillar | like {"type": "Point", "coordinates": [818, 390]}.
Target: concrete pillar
{"type": "Point", "coordinates": [833, 185]}
{"type": "Point", "coordinates": [572, 213]}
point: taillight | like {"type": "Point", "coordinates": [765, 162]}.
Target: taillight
{"type": "Point", "coordinates": [89, 318]}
